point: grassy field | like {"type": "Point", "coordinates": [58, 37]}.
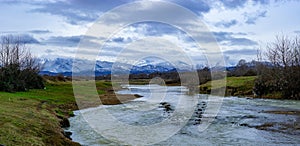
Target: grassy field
{"type": "Point", "coordinates": [235, 86]}
{"type": "Point", "coordinates": [36, 117]}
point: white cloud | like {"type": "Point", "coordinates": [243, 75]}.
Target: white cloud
{"type": "Point", "coordinates": [74, 19]}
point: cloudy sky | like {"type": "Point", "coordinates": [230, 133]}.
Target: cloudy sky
{"type": "Point", "coordinates": [54, 28]}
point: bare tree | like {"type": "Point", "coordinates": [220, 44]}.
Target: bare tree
{"type": "Point", "coordinates": [283, 75]}
{"type": "Point", "coordinates": [19, 69]}
{"type": "Point", "coordinates": [14, 51]}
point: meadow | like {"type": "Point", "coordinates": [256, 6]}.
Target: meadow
{"type": "Point", "coordinates": [36, 117]}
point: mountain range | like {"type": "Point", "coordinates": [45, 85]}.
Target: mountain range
{"type": "Point", "coordinates": [149, 65]}
{"type": "Point", "coordinates": [65, 67]}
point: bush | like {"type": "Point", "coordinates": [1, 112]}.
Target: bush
{"type": "Point", "coordinates": [14, 79]}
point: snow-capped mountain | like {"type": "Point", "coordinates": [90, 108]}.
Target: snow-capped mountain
{"type": "Point", "coordinates": [157, 62]}
{"type": "Point", "coordinates": [58, 65]}
{"type": "Point", "coordinates": [148, 65]}
{"type": "Point", "coordinates": [65, 66]}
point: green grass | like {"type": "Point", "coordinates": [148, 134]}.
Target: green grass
{"type": "Point", "coordinates": [235, 86]}
{"type": "Point", "coordinates": [57, 93]}
{"type": "Point", "coordinates": [241, 81]}
{"type": "Point", "coordinates": [32, 118]}
{"type": "Point", "coordinates": [16, 114]}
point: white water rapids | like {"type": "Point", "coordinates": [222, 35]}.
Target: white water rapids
{"type": "Point", "coordinates": [239, 122]}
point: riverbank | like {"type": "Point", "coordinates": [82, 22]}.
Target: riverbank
{"type": "Point", "coordinates": [36, 117]}
{"type": "Point", "coordinates": [235, 86]}
{"type": "Point", "coordinates": [238, 86]}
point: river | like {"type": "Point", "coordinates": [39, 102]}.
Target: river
{"type": "Point", "coordinates": [240, 121]}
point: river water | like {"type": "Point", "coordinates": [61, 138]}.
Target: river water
{"type": "Point", "coordinates": [240, 121]}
